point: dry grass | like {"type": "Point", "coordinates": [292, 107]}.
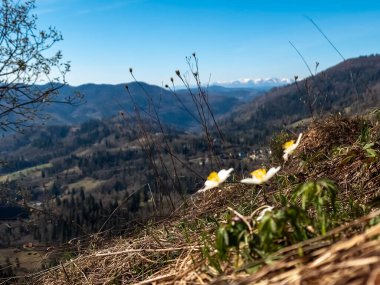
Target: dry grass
{"type": "Point", "coordinates": [28, 259]}
{"type": "Point", "coordinates": [167, 252]}
{"type": "Point", "coordinates": [332, 150]}
{"type": "Point", "coordinates": [173, 250]}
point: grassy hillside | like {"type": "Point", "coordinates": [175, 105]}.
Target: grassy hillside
{"type": "Point", "coordinates": [323, 228]}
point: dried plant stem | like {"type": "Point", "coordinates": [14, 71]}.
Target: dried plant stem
{"type": "Point", "coordinates": [242, 218]}
{"type": "Point", "coordinates": [148, 250]}
{"type": "Point", "coordinates": [156, 279]}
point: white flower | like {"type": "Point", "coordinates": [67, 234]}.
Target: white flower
{"type": "Point", "coordinates": [215, 179]}
{"type": "Point", "coordinates": [290, 146]}
{"type": "Point", "coordinates": [262, 213]}
{"type": "Point", "coordinates": [261, 176]}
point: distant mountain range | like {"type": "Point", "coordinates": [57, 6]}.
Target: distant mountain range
{"type": "Point", "coordinates": [249, 105]}
{"type": "Point", "coordinates": [103, 101]}
{"type": "Point", "coordinates": [247, 117]}
{"type": "Point", "coordinates": [258, 83]}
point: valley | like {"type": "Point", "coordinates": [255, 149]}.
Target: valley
{"type": "Point", "coordinates": [112, 165]}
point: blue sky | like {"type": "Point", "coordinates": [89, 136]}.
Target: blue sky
{"type": "Point", "coordinates": [233, 39]}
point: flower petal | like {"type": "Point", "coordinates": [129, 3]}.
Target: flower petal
{"type": "Point", "coordinates": [299, 139]}
{"type": "Point", "coordinates": [271, 172]}
{"type": "Point", "coordinates": [209, 184]}
{"type": "Point", "coordinates": [252, 180]}
{"type": "Point", "coordinates": [224, 174]}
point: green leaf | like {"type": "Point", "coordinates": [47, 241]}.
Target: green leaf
{"type": "Point", "coordinates": [273, 226]}
{"type": "Point", "coordinates": [371, 152]}
{"type": "Point", "coordinates": [368, 145]}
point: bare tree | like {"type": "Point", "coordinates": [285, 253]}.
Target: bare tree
{"type": "Point", "coordinates": [30, 72]}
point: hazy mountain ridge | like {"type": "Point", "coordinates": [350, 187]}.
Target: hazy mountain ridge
{"type": "Point", "coordinates": [103, 101]}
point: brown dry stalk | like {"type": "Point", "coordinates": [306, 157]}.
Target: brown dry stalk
{"type": "Point", "coordinates": [242, 218]}
{"type": "Point", "coordinates": [81, 271]}
{"type": "Point", "coordinates": [148, 250]}
{"type": "Point", "coordinates": [156, 279]}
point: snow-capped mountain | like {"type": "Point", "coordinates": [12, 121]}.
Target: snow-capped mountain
{"type": "Point", "coordinates": [255, 82]}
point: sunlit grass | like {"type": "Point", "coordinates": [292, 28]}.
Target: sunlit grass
{"type": "Point", "coordinates": [35, 170]}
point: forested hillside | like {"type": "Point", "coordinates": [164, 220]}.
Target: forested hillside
{"type": "Point", "coordinates": [103, 101]}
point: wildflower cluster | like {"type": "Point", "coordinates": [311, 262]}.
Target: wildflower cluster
{"type": "Point", "coordinates": [304, 211]}
{"type": "Point", "coordinates": [258, 177]}
{"type": "Point", "coordinates": [308, 212]}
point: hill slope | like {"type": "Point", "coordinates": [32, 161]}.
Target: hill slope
{"type": "Point", "coordinates": [217, 238]}
{"type": "Point", "coordinates": [349, 87]}
{"type": "Point", "coordinates": [93, 170]}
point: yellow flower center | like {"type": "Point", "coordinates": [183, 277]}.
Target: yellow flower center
{"type": "Point", "coordinates": [259, 173]}
{"type": "Point", "coordinates": [213, 177]}
{"type": "Point", "coordinates": [288, 144]}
